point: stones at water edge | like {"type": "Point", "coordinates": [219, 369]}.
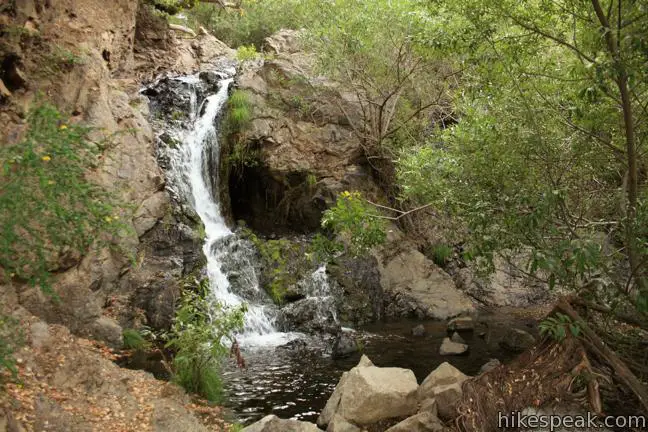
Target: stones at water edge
{"type": "Point", "coordinates": [444, 385]}
{"type": "Point", "coordinates": [489, 365]}
{"type": "Point", "coordinates": [421, 422]}
{"type": "Point", "coordinates": [368, 394]}
{"type": "Point", "coordinates": [457, 338]}
{"type": "Point", "coordinates": [464, 323]}
{"type": "Point", "coordinates": [339, 424]}
{"type": "Point", "coordinates": [448, 347]}
{"type": "Point", "coordinates": [272, 423]}
{"type": "Point", "coordinates": [517, 340]}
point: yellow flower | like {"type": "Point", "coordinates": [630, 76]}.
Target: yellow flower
{"type": "Point", "coordinates": [51, 182]}
{"type": "Point", "coordinates": [346, 194]}
{"type": "Point", "coordinates": [116, 217]}
{"type": "Point", "coordinates": [108, 219]}
{"type": "Point", "coordinates": [46, 158]}
{"type": "Point", "coordinates": [63, 127]}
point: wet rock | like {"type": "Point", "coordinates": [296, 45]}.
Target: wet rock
{"type": "Point", "coordinates": [489, 365]}
{"type": "Point", "coordinates": [345, 344]}
{"type": "Point", "coordinates": [449, 347]}
{"type": "Point", "coordinates": [517, 340]}
{"type": "Point", "coordinates": [444, 385]}
{"type": "Point", "coordinates": [461, 323]}
{"type": "Point", "coordinates": [361, 301]}
{"type": "Point", "coordinates": [422, 422]}
{"type": "Point", "coordinates": [457, 338]}
{"type": "Point", "coordinates": [309, 316]}
{"type": "Point", "coordinates": [272, 423]}
{"type": "Point", "coordinates": [418, 331]}
{"type": "Point", "coordinates": [367, 395]}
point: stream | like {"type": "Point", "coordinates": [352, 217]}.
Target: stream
{"type": "Point", "coordinates": [289, 374]}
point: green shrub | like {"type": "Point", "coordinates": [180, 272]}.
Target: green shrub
{"type": "Point", "coordinates": [246, 53]}
{"type": "Point", "coordinates": [441, 253]}
{"type": "Point", "coordinates": [237, 120]}
{"type": "Point", "coordinates": [134, 340]}
{"type": "Point", "coordinates": [50, 209]}
{"type": "Point", "coordinates": [200, 328]}
{"type": "Point", "coordinates": [356, 221]}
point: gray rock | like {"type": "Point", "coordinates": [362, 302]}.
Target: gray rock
{"type": "Point", "coordinates": [489, 365]}
{"type": "Point", "coordinates": [422, 422]}
{"type": "Point", "coordinates": [461, 323]}
{"type": "Point", "coordinates": [452, 348]}
{"type": "Point", "coordinates": [457, 338]}
{"type": "Point", "coordinates": [345, 344]}
{"type": "Point", "coordinates": [272, 423]}
{"type": "Point", "coordinates": [517, 340]}
{"type": "Point", "coordinates": [339, 424]}
{"type": "Point", "coordinates": [429, 405]}
{"type": "Point", "coordinates": [444, 385]}
{"type": "Point", "coordinates": [418, 331]}
{"type": "Point", "coordinates": [40, 335]}
{"type": "Point", "coordinates": [107, 330]}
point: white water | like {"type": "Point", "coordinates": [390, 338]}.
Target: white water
{"type": "Point", "coordinates": [189, 173]}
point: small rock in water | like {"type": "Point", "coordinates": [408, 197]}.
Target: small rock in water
{"type": "Point", "coordinates": [344, 345]}
{"type": "Point", "coordinates": [457, 338]}
{"type": "Point", "coordinates": [452, 348]}
{"type": "Point", "coordinates": [461, 323]}
{"type": "Point", "coordinates": [418, 331]}
{"type": "Point", "coordinates": [489, 365]}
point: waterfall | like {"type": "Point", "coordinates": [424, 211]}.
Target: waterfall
{"type": "Point", "coordinates": [195, 139]}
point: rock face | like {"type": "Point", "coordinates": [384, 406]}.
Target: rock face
{"type": "Point", "coordinates": [418, 288]}
{"type": "Point", "coordinates": [273, 423]}
{"type": "Point", "coordinates": [368, 394]}
{"type": "Point", "coordinates": [444, 385]}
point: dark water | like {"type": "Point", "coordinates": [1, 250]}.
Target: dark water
{"type": "Point", "coordinates": [297, 383]}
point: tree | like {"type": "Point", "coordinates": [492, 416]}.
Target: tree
{"type": "Point", "coordinates": [546, 157]}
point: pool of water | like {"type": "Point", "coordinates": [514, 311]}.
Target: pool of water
{"type": "Point", "coordinates": [296, 383]}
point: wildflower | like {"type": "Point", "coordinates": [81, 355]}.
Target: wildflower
{"type": "Point", "coordinates": [63, 127]}
{"type": "Point", "coordinates": [46, 158]}
{"type": "Point", "coordinates": [50, 182]}
{"type": "Point", "coordinates": [116, 217]}
{"type": "Point", "coordinates": [108, 219]}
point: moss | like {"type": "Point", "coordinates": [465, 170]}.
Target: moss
{"type": "Point", "coordinates": [284, 263]}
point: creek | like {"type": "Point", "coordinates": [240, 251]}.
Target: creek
{"type": "Point", "coordinates": [289, 374]}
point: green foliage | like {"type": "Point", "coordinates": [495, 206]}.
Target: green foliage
{"type": "Point", "coordinates": [134, 340]}
{"type": "Point", "coordinates": [356, 221]}
{"type": "Point", "coordinates": [51, 211]}
{"type": "Point", "coordinates": [323, 249]}
{"type": "Point", "coordinates": [246, 53]}
{"type": "Point", "coordinates": [172, 7]}
{"type": "Point", "coordinates": [235, 124]}
{"type": "Point", "coordinates": [284, 263]}
{"type": "Point", "coordinates": [11, 339]}
{"type": "Point", "coordinates": [558, 326]}
{"type": "Point", "coordinates": [441, 253]}
{"type": "Point", "coordinates": [200, 329]}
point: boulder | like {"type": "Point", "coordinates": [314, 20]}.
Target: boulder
{"type": "Point", "coordinates": [422, 422]}
{"type": "Point", "coordinates": [444, 385]}
{"type": "Point", "coordinates": [517, 340]}
{"type": "Point", "coordinates": [339, 424]}
{"type": "Point", "coordinates": [368, 394]}
{"type": "Point", "coordinates": [461, 323]}
{"type": "Point", "coordinates": [418, 331]}
{"type": "Point", "coordinates": [449, 347]}
{"type": "Point", "coordinates": [421, 289]}
{"type": "Point", "coordinates": [457, 338]}
{"type": "Point", "coordinates": [272, 423]}
{"type": "Point", "coordinates": [489, 365]}
{"type": "Point", "coordinates": [429, 405]}
{"type": "Point", "coordinates": [106, 329]}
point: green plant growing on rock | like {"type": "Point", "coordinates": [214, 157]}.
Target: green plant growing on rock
{"type": "Point", "coordinates": [236, 122]}
{"type": "Point", "coordinates": [441, 253]}
{"type": "Point", "coordinates": [52, 213]}
{"type": "Point", "coordinates": [134, 340]}
{"type": "Point", "coordinates": [246, 53]}
{"type": "Point", "coordinates": [200, 329]}
{"type": "Point", "coordinates": [357, 223]}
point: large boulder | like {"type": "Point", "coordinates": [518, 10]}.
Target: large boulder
{"type": "Point", "coordinates": [422, 422]}
{"type": "Point", "coordinates": [368, 394]}
{"type": "Point", "coordinates": [444, 385]}
{"type": "Point", "coordinates": [272, 423]}
{"type": "Point", "coordinates": [419, 288]}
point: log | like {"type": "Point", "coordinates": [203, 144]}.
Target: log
{"type": "Point", "coordinates": [622, 371]}
{"type": "Point", "coordinates": [183, 29]}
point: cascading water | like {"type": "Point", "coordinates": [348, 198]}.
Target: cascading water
{"type": "Point", "coordinates": [196, 147]}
